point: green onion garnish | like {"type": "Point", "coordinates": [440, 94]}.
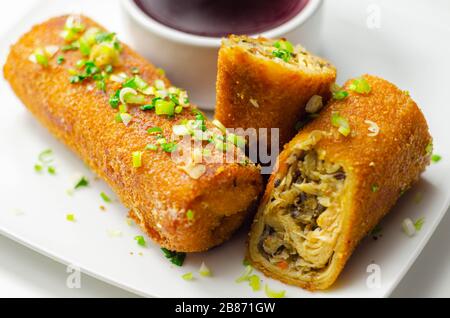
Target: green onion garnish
{"type": "Point", "coordinates": [341, 123]}
{"type": "Point", "coordinates": [174, 257]}
{"type": "Point", "coordinates": [284, 50]}
{"type": "Point", "coordinates": [41, 58]}
{"type": "Point", "coordinates": [137, 159]}
{"type": "Point", "coordinates": [375, 188]}
{"type": "Point", "coordinates": [140, 241]}
{"type": "Point", "coordinates": [60, 60]}
{"type": "Point", "coordinates": [338, 92]}
{"type": "Point", "coordinates": [151, 147]}
{"type": "Point", "coordinates": [70, 47]}
{"type": "Point", "coordinates": [419, 224]}
{"type": "Point", "coordinates": [38, 168]}
{"type": "Point", "coordinates": [85, 49]}
{"type": "Point", "coordinates": [46, 156]}
{"type": "Point", "coordinates": [190, 215]}
{"type": "Point", "coordinates": [148, 107]}
{"type": "Point", "coordinates": [246, 262]}
{"type": "Point", "coordinates": [436, 158]}
{"type": "Point", "coordinates": [204, 270]}
{"type": "Point", "coordinates": [246, 275]}
{"type": "Point", "coordinates": [360, 85]}
{"type": "Point", "coordinates": [188, 276]}
{"type": "Point", "coordinates": [105, 198]}
{"type": "Point", "coordinates": [254, 282]}
{"type": "Point", "coordinates": [169, 147]}
{"type": "Point", "coordinates": [114, 100]}
{"type": "Point", "coordinates": [163, 107]}
{"type": "Point", "coordinates": [70, 217]}
{"type": "Point", "coordinates": [273, 294]}
{"type": "Point", "coordinates": [82, 183]}
{"type": "Point", "coordinates": [51, 170]}
{"type": "Point", "coordinates": [154, 130]}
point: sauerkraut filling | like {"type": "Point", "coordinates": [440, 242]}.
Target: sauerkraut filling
{"type": "Point", "coordinates": [280, 50]}
{"type": "Point", "coordinates": [302, 217]}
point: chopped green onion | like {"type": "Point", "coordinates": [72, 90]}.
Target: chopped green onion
{"type": "Point", "coordinates": [273, 294]}
{"type": "Point", "coordinates": [41, 58]}
{"type": "Point", "coordinates": [70, 47]}
{"type": "Point", "coordinates": [105, 198]}
{"type": "Point", "coordinates": [148, 107]}
{"type": "Point", "coordinates": [169, 147]}
{"type": "Point", "coordinates": [255, 283]}
{"type": "Point", "coordinates": [60, 60]}
{"type": "Point", "coordinates": [85, 49]}
{"type": "Point", "coordinates": [341, 123]}
{"type": "Point", "coordinates": [190, 215]}
{"type": "Point", "coordinates": [136, 83]}
{"type": "Point", "coordinates": [284, 45]}
{"type": "Point", "coordinates": [38, 168]}
{"type": "Point", "coordinates": [284, 50]}
{"type": "Point", "coordinates": [246, 262]}
{"type": "Point", "coordinates": [178, 109]}
{"type": "Point", "coordinates": [375, 188]}
{"type": "Point", "coordinates": [175, 258]}
{"type": "Point", "coordinates": [70, 217]}
{"type": "Point", "coordinates": [81, 183]}
{"type": "Point", "coordinates": [204, 270]}
{"type": "Point", "coordinates": [137, 159]}
{"type": "Point", "coordinates": [51, 170]}
{"type": "Point", "coordinates": [188, 276]}
{"type": "Point", "coordinates": [80, 63]}
{"type": "Point", "coordinates": [163, 107]}
{"type": "Point", "coordinates": [105, 54]}
{"type": "Point", "coordinates": [419, 224]}
{"type": "Point", "coordinates": [246, 275]}
{"type": "Point", "coordinates": [160, 85]}
{"type": "Point", "coordinates": [140, 241]}
{"type": "Point", "coordinates": [46, 156]}
{"type": "Point", "coordinates": [129, 95]}
{"type": "Point", "coordinates": [338, 92]}
{"type": "Point", "coordinates": [436, 158]}
{"type": "Point", "coordinates": [125, 118]}
{"type": "Point", "coordinates": [154, 130]}
{"type": "Point", "coordinates": [360, 85]}
{"type": "Point", "coordinates": [238, 141]}
{"type": "Point", "coordinates": [114, 100]}
{"type": "Point", "coordinates": [340, 95]}
{"type": "Point", "coordinates": [408, 227]}
{"type": "Point", "coordinates": [151, 147]}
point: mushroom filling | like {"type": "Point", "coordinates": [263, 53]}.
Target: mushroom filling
{"type": "Point", "coordinates": [301, 220]}
{"type": "Point", "coordinates": [299, 57]}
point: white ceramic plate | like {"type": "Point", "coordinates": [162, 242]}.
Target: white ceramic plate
{"type": "Point", "coordinates": [409, 49]}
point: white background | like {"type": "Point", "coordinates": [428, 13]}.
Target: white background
{"type": "Point", "coordinates": [24, 273]}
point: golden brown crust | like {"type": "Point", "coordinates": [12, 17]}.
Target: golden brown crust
{"type": "Point", "coordinates": [281, 92]}
{"type": "Point", "coordinates": [391, 161]}
{"type": "Point", "coordinates": [158, 194]}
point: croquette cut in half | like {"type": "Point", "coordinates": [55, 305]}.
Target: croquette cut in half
{"type": "Point", "coordinates": [265, 83]}
{"type": "Point", "coordinates": [336, 180]}
{"type": "Point", "coordinates": [118, 113]}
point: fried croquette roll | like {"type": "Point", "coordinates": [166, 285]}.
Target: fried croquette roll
{"type": "Point", "coordinates": [266, 83]}
{"type": "Point", "coordinates": [336, 180]}
{"type": "Point", "coordinates": [129, 124]}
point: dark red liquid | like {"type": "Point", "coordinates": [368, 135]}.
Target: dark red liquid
{"type": "Point", "coordinates": [217, 18]}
